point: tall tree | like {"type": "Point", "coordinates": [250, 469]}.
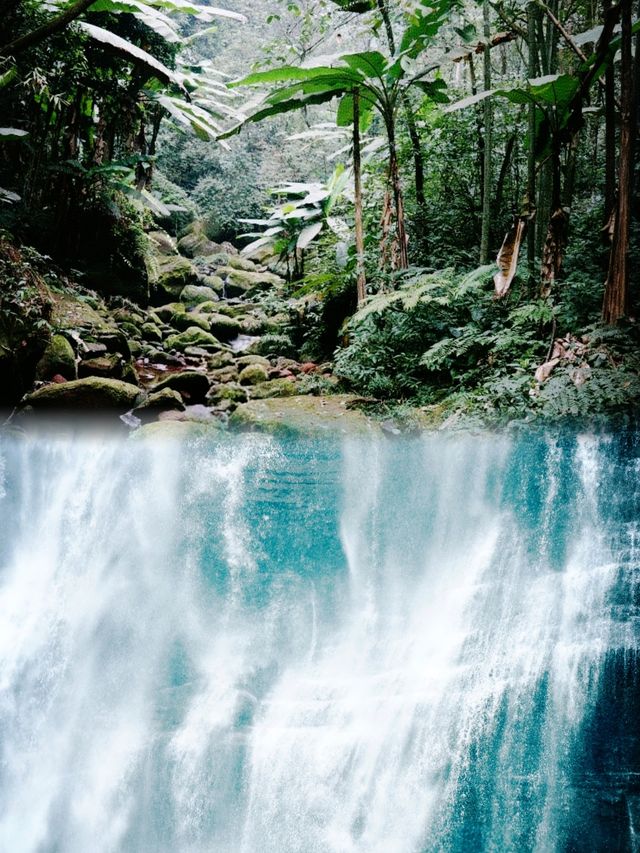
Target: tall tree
{"type": "Point", "coordinates": [487, 180]}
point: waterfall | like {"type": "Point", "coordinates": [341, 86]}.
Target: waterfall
{"type": "Point", "coordinates": [359, 645]}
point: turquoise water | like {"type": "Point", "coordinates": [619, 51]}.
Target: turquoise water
{"type": "Point", "coordinates": [343, 646]}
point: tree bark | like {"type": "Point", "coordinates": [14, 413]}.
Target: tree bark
{"type": "Point", "coordinates": [532, 67]}
{"type": "Point", "coordinates": [616, 298]}
{"type": "Point", "coordinates": [488, 146]}
{"type": "Point", "coordinates": [394, 173]}
{"type": "Point", "coordinates": [357, 181]}
{"type": "Point", "coordinates": [609, 138]}
{"type": "Point", "coordinates": [50, 28]}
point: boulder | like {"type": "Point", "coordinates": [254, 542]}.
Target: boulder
{"type": "Point", "coordinates": [227, 391]}
{"type": "Point", "coordinates": [164, 400]}
{"type": "Point", "coordinates": [166, 312]}
{"type": "Point", "coordinates": [193, 336]}
{"type": "Point", "coordinates": [274, 388]}
{"type": "Point", "coordinates": [150, 332]}
{"type": "Point", "coordinates": [90, 393]}
{"type": "Point", "coordinates": [209, 307]}
{"type": "Point", "coordinates": [182, 322]}
{"type": "Point", "coordinates": [273, 345]}
{"type": "Point", "coordinates": [190, 384]}
{"type": "Point", "coordinates": [174, 274]}
{"type": "Point", "coordinates": [303, 415]}
{"type": "Point", "coordinates": [162, 243]}
{"type": "Point", "coordinates": [240, 263]}
{"type": "Point", "coordinates": [245, 360]}
{"type": "Point", "coordinates": [102, 365]}
{"type": "Point", "coordinates": [242, 282]}
{"type": "Point", "coordinates": [196, 243]}
{"type": "Point", "coordinates": [223, 327]}
{"type": "Point", "coordinates": [214, 282]}
{"type": "Point", "coordinates": [58, 358]}
{"type": "Point", "coordinates": [253, 374]}
{"type": "Point", "coordinates": [221, 359]}
{"type": "Point", "coordinates": [224, 374]}
{"type": "Point", "coordinates": [194, 294]}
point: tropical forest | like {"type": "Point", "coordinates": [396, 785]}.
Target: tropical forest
{"type": "Point", "coordinates": [319, 440]}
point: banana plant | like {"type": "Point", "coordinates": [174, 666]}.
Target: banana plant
{"type": "Point", "coordinates": [365, 83]}
{"type": "Point", "coordinates": [302, 213]}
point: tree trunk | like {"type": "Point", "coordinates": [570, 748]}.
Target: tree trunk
{"type": "Point", "coordinates": [488, 147]}
{"type": "Point", "coordinates": [615, 304]}
{"type": "Point", "coordinates": [532, 69]}
{"type": "Point", "coordinates": [394, 173]}
{"type": "Point", "coordinates": [357, 182]}
{"type": "Point", "coordinates": [609, 138]}
{"type": "Point", "coordinates": [41, 33]}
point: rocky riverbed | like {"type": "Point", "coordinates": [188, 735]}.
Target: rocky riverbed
{"type": "Point", "coordinates": [215, 346]}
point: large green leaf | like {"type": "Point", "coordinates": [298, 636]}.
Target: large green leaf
{"type": "Point", "coordinates": [344, 117]}
{"type": "Point", "coordinates": [129, 51]}
{"type": "Point", "coordinates": [308, 234]}
{"type": "Point", "coordinates": [152, 18]}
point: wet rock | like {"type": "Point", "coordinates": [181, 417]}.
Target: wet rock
{"type": "Point", "coordinates": [150, 332]}
{"type": "Point", "coordinates": [58, 358]}
{"type": "Point", "coordinates": [240, 263]}
{"type": "Point", "coordinates": [241, 282]}
{"type": "Point", "coordinates": [194, 294]}
{"type": "Point", "coordinates": [91, 349]}
{"type": "Point", "coordinates": [223, 327]}
{"type": "Point", "coordinates": [196, 352]}
{"type": "Point", "coordinates": [159, 401]}
{"type": "Point", "coordinates": [193, 336]}
{"type": "Point", "coordinates": [221, 359]}
{"type": "Point", "coordinates": [274, 388]}
{"type": "Point", "coordinates": [91, 393]}
{"type": "Point", "coordinates": [227, 391]}
{"type": "Point", "coordinates": [224, 374]}
{"type": "Point", "coordinates": [208, 307]}
{"type": "Point", "coordinates": [192, 385]}
{"type": "Point", "coordinates": [174, 274]}
{"type": "Point", "coordinates": [182, 322]}
{"type": "Point", "coordinates": [252, 374]}
{"type": "Point", "coordinates": [245, 360]}
{"type": "Point", "coordinates": [302, 415]}
{"type": "Point", "coordinates": [109, 366]}
{"type": "Point", "coordinates": [166, 312]}
{"type": "Point", "coordinates": [213, 282]}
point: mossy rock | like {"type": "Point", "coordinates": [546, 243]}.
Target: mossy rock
{"type": "Point", "coordinates": [227, 391]}
{"type": "Point", "coordinates": [253, 374]}
{"type": "Point", "coordinates": [214, 282]}
{"type": "Point", "coordinates": [208, 307]}
{"type": "Point", "coordinates": [192, 385]}
{"type": "Point", "coordinates": [254, 326]}
{"type": "Point", "coordinates": [130, 331]}
{"type": "Point", "coordinates": [241, 282]}
{"type": "Point", "coordinates": [194, 294]}
{"type": "Point", "coordinates": [58, 358]}
{"type": "Point", "coordinates": [303, 415]}
{"type": "Point", "coordinates": [197, 244]}
{"type": "Point", "coordinates": [150, 332]}
{"type": "Point", "coordinates": [162, 243]}
{"type": "Point", "coordinates": [223, 327]}
{"type": "Point", "coordinates": [224, 374]}
{"type": "Point", "coordinates": [174, 275]}
{"type": "Point", "coordinates": [244, 360]}
{"type": "Point", "coordinates": [109, 366]}
{"type": "Point", "coordinates": [273, 345]}
{"type": "Point", "coordinates": [193, 336]}
{"type": "Point", "coordinates": [221, 359]}
{"type": "Point", "coordinates": [165, 400]}
{"type": "Point", "coordinates": [217, 259]}
{"type": "Point", "coordinates": [166, 312]}
{"type": "Point", "coordinates": [240, 263]}
{"type": "Point", "coordinates": [182, 322]}
{"type": "Point", "coordinates": [174, 431]}
{"type": "Point", "coordinates": [72, 312]}
{"type": "Point", "coordinates": [274, 388]}
{"type": "Point", "coordinates": [92, 393]}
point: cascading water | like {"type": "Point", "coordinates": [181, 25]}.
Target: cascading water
{"type": "Point", "coordinates": [340, 646]}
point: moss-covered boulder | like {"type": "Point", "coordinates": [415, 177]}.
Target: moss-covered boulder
{"type": "Point", "coordinates": [150, 332]}
{"type": "Point", "coordinates": [245, 360]}
{"type": "Point", "coordinates": [242, 282]}
{"type": "Point", "coordinates": [303, 415]}
{"type": "Point", "coordinates": [238, 262]}
{"type": "Point", "coordinates": [182, 322]}
{"type": "Point", "coordinates": [162, 243]}
{"type": "Point", "coordinates": [224, 358]}
{"type": "Point", "coordinates": [92, 393]}
{"type": "Point", "coordinates": [193, 336]}
{"type": "Point", "coordinates": [58, 358]}
{"type": "Point", "coordinates": [165, 400]}
{"type": "Point", "coordinates": [102, 365]}
{"type": "Point", "coordinates": [174, 274]}
{"type": "Point", "coordinates": [214, 282]}
{"type": "Point", "coordinates": [227, 391]}
{"type": "Point", "coordinates": [194, 294]}
{"type": "Point", "coordinates": [166, 312]}
{"type": "Point", "coordinates": [192, 385]}
{"type": "Point", "coordinates": [223, 327]}
{"type": "Point", "coordinates": [273, 345]}
{"type": "Point", "coordinates": [195, 242]}
{"type": "Point", "coordinates": [253, 374]}
{"type": "Point", "coordinates": [274, 388]}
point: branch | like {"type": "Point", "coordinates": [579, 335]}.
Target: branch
{"type": "Point", "coordinates": [40, 33]}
